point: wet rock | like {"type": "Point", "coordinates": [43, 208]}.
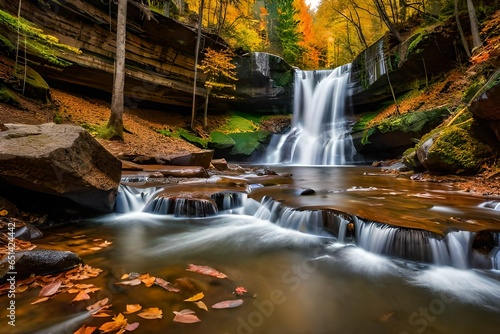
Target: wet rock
{"type": "Point", "coordinates": [28, 232]}
{"type": "Point", "coordinates": [307, 192]}
{"type": "Point", "coordinates": [62, 160]}
{"type": "Point", "coordinates": [202, 158]}
{"type": "Point", "coordinates": [486, 108]}
{"type": "Point", "coordinates": [182, 206]}
{"type": "Point", "coordinates": [176, 171]}
{"type": "Point", "coordinates": [220, 164]}
{"type": "Point", "coordinates": [484, 241]}
{"type": "Point", "coordinates": [3, 127]}
{"type": "Point", "coordinates": [39, 262]}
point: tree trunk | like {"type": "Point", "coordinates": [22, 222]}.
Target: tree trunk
{"type": "Point", "coordinates": [115, 123]}
{"type": "Point", "coordinates": [461, 31]}
{"type": "Point", "coordinates": [197, 51]}
{"type": "Point", "coordinates": [205, 118]}
{"type": "Point", "coordinates": [474, 26]}
{"type": "Point", "coordinates": [385, 18]}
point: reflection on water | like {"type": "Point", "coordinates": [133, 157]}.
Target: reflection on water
{"type": "Point", "coordinates": [298, 283]}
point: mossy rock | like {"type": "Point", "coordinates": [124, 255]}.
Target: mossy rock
{"type": "Point", "coordinates": [247, 143]}
{"type": "Point", "coordinates": [193, 139]}
{"type": "Point", "coordinates": [220, 141]}
{"type": "Point", "coordinates": [36, 86]}
{"type": "Point", "coordinates": [8, 96]}
{"type": "Point", "coordinates": [453, 150]}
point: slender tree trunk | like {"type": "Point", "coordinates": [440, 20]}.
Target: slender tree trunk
{"type": "Point", "coordinates": [197, 51]}
{"type": "Point", "coordinates": [205, 117]}
{"type": "Point", "coordinates": [461, 31]}
{"type": "Point", "coordinates": [474, 26]}
{"type": "Point", "coordinates": [385, 17]}
{"type": "Point", "coordinates": [115, 123]}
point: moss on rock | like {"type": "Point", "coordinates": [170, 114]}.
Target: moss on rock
{"type": "Point", "coordinates": [246, 143]}
{"type": "Point", "coordinates": [220, 141]}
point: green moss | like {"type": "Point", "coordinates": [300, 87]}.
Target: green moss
{"type": "Point", "coordinates": [6, 44]}
{"type": "Point", "coordinates": [473, 89]}
{"type": "Point", "coordinates": [239, 123]}
{"type": "Point", "coordinates": [366, 134]}
{"type": "Point", "coordinates": [414, 41]}
{"type": "Point", "coordinates": [248, 142]}
{"type": "Point", "coordinates": [36, 41]}
{"type": "Point", "coordinates": [412, 121]}
{"type": "Point", "coordinates": [8, 96]}
{"type": "Point", "coordinates": [219, 140]}
{"type": "Point", "coordinates": [193, 139]}
{"type": "Point", "coordinates": [364, 120]}
{"type": "Point", "coordinates": [456, 150]}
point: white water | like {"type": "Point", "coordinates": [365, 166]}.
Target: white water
{"type": "Point", "coordinates": [320, 126]}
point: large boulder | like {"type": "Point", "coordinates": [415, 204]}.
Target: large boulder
{"type": "Point", "coordinates": [486, 109]}
{"type": "Point", "coordinates": [62, 160]}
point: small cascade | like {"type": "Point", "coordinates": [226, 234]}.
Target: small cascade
{"type": "Point", "coordinates": [228, 200]}
{"type": "Point", "coordinates": [181, 207]}
{"type": "Point", "coordinates": [454, 250]}
{"type": "Point", "coordinates": [131, 199]}
{"type": "Point", "coordinates": [320, 133]}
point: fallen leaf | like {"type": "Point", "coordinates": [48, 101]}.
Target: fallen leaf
{"type": "Point", "coordinates": [240, 290]}
{"type": "Point", "coordinates": [95, 249]}
{"type": "Point", "coordinates": [4, 212]}
{"type": "Point", "coordinates": [97, 305]}
{"type": "Point", "coordinates": [228, 304]}
{"type": "Point", "coordinates": [40, 300]}
{"type": "Point", "coordinates": [386, 317]}
{"type": "Point", "coordinates": [148, 280]}
{"type": "Point", "coordinates": [83, 286]}
{"type": "Point", "coordinates": [85, 330]}
{"type": "Point", "coordinates": [82, 295]}
{"type": "Point", "coordinates": [101, 314]}
{"type": "Point", "coordinates": [166, 285]}
{"type": "Point", "coordinates": [196, 297]}
{"type": "Point", "coordinates": [201, 305]}
{"type": "Point", "coordinates": [205, 270]}
{"type": "Point", "coordinates": [124, 276]}
{"type": "Point", "coordinates": [133, 282]}
{"type": "Point", "coordinates": [50, 289]}
{"type": "Point", "coordinates": [118, 322]}
{"type": "Point", "coordinates": [151, 313]}
{"type": "Point", "coordinates": [105, 244]}
{"type": "Point", "coordinates": [132, 327]}
{"type": "Point", "coordinates": [132, 308]}
{"type": "Point", "coordinates": [186, 317]}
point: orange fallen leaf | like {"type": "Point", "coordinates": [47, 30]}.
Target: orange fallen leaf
{"type": "Point", "coordinates": [50, 289]}
{"type": "Point", "coordinates": [205, 270]}
{"type": "Point", "coordinates": [148, 280]}
{"type": "Point", "coordinates": [124, 276]}
{"type": "Point", "coordinates": [151, 313]}
{"type": "Point", "coordinates": [82, 295]}
{"type": "Point", "coordinates": [186, 316]}
{"type": "Point", "coordinates": [166, 285]}
{"type": "Point", "coordinates": [118, 323]}
{"type": "Point", "coordinates": [201, 305]}
{"type": "Point", "coordinates": [104, 314]}
{"type": "Point", "coordinates": [40, 300]}
{"type": "Point", "coordinates": [85, 330]}
{"type": "Point", "coordinates": [196, 297]}
{"type": "Point", "coordinates": [4, 212]}
{"type": "Point", "coordinates": [132, 308]}
{"type": "Point", "coordinates": [228, 304]}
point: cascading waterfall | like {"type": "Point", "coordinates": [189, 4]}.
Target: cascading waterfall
{"type": "Point", "coordinates": [320, 133]}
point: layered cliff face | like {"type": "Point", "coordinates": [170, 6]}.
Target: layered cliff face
{"type": "Point", "coordinates": [160, 50]}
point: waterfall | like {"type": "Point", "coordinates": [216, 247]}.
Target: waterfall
{"type": "Point", "coordinates": [320, 133]}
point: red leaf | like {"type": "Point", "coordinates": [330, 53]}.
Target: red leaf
{"type": "Point", "coordinates": [50, 289]}
{"type": "Point", "coordinates": [228, 304]}
{"type": "Point", "coordinates": [205, 271]}
{"type": "Point", "coordinates": [132, 327]}
{"type": "Point", "coordinates": [166, 285]}
{"type": "Point", "coordinates": [240, 290]}
{"type": "Point", "coordinates": [186, 317]}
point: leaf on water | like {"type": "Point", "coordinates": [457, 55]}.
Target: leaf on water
{"type": "Point", "coordinates": [205, 270]}
{"type": "Point", "coordinates": [133, 282]}
{"type": "Point", "coordinates": [92, 290]}
{"type": "Point", "coordinates": [124, 276]}
{"type": "Point", "coordinates": [83, 286]}
{"type": "Point", "coordinates": [147, 280]}
{"type": "Point", "coordinates": [201, 305]}
{"type": "Point", "coordinates": [132, 308]}
{"type": "Point", "coordinates": [40, 300]}
{"type": "Point", "coordinates": [386, 317]}
{"type": "Point", "coordinates": [196, 297]}
{"type": "Point", "coordinates": [50, 289]}
{"type": "Point", "coordinates": [95, 249]}
{"type": "Point", "coordinates": [186, 316]}
{"type": "Point", "coordinates": [82, 295]}
{"type": "Point", "coordinates": [240, 291]}
{"type": "Point", "coordinates": [132, 327]}
{"type": "Point", "coordinates": [98, 305]}
{"type": "Point", "coordinates": [118, 323]}
{"type": "Point", "coordinates": [166, 285]}
{"type": "Point", "coordinates": [228, 304]}
{"type": "Point", "coordinates": [101, 314]}
{"type": "Point", "coordinates": [4, 212]}
{"type": "Point", "coordinates": [105, 244]}
{"type": "Point", "coordinates": [85, 330]}
{"type": "Point", "coordinates": [151, 313]}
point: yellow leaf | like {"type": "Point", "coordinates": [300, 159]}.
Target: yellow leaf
{"type": "Point", "coordinates": [4, 212]}
{"type": "Point", "coordinates": [131, 308]}
{"type": "Point", "coordinates": [125, 276]}
{"type": "Point", "coordinates": [201, 305]}
{"type": "Point", "coordinates": [195, 298]}
{"type": "Point", "coordinates": [151, 313]}
{"type": "Point", "coordinates": [148, 280]}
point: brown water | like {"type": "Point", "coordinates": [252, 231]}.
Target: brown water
{"type": "Point", "coordinates": [296, 282]}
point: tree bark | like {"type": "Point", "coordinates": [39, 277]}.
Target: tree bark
{"type": "Point", "coordinates": [461, 31]}
{"type": "Point", "coordinates": [385, 18]}
{"type": "Point", "coordinates": [474, 26]}
{"type": "Point", "coordinates": [197, 51]}
{"type": "Point", "coordinates": [115, 123]}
